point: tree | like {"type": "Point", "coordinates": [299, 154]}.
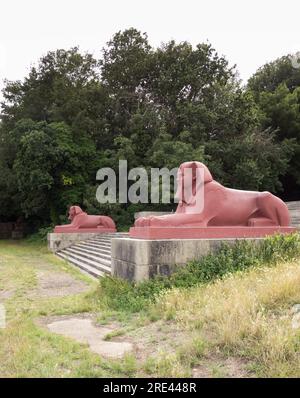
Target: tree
{"type": "Point", "coordinates": [124, 62]}
{"type": "Point", "coordinates": [52, 171]}
{"type": "Point", "coordinates": [155, 107]}
{"type": "Point", "coordinates": [124, 70]}
{"type": "Point", "coordinates": [170, 153]}
{"type": "Point", "coordinates": [55, 90]}
{"type": "Point", "coordinates": [276, 89]}
{"type": "Point", "coordinates": [251, 161]}
{"type": "Point", "coordinates": [272, 74]}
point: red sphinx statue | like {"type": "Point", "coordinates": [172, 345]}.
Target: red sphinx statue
{"type": "Point", "coordinates": [224, 212]}
{"type": "Point", "coordinates": [82, 222]}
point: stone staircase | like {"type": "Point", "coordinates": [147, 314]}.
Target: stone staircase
{"type": "Point", "coordinates": [93, 255]}
{"type": "Point", "coordinates": [294, 209]}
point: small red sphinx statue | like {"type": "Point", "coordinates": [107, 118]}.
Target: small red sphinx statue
{"type": "Point", "coordinates": [82, 222]}
{"type": "Point", "coordinates": [223, 212]}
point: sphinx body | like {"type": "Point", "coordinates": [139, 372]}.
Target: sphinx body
{"type": "Point", "coordinates": [83, 222]}
{"type": "Point", "coordinates": [221, 206]}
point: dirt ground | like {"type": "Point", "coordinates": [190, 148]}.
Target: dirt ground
{"type": "Point", "coordinates": [57, 284]}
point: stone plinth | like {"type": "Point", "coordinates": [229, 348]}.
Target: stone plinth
{"type": "Point", "coordinates": [60, 241]}
{"type": "Point", "coordinates": [207, 232]}
{"type": "Point", "coordinates": [141, 259]}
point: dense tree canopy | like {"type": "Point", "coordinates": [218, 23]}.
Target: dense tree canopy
{"type": "Point", "coordinates": [159, 107]}
{"type": "Point", "coordinates": [271, 75]}
{"type": "Point", "coordinates": [276, 89]}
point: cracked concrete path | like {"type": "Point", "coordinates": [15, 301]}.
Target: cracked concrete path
{"type": "Point", "coordinates": [83, 331]}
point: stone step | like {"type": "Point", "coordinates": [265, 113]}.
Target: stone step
{"type": "Point", "coordinates": [103, 238]}
{"type": "Point", "coordinates": [96, 249]}
{"type": "Point", "coordinates": [115, 233]}
{"type": "Point", "coordinates": [100, 264]}
{"type": "Point", "coordinates": [89, 254]}
{"type": "Point", "coordinates": [293, 204]}
{"type": "Point", "coordinates": [92, 255]}
{"type": "Point", "coordinates": [109, 237]}
{"type": "Point", "coordinates": [83, 266]}
{"type": "Point", "coordinates": [100, 240]}
{"type": "Point", "coordinates": [98, 244]}
{"type": "Point", "coordinates": [294, 210]}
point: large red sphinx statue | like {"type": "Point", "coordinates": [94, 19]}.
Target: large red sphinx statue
{"type": "Point", "coordinates": [224, 213]}
{"type": "Point", "coordinates": [82, 222]}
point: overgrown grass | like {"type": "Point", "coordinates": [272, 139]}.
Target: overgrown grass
{"type": "Point", "coordinates": [235, 304]}
{"type": "Point", "coordinates": [246, 315]}
{"type": "Point", "coordinates": [28, 350]}
{"type": "Point", "coordinates": [121, 295]}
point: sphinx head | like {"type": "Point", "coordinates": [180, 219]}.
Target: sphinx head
{"type": "Point", "coordinates": [191, 177]}
{"type": "Point", "coordinates": [74, 211]}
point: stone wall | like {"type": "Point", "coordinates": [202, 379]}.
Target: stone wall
{"type": "Point", "coordinates": [60, 241]}
{"type": "Point", "coordinates": [141, 259]}
{"type": "Point", "coordinates": [12, 230]}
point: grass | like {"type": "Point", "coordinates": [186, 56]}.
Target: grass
{"type": "Point", "coordinates": [246, 315]}
{"type": "Point", "coordinates": [113, 334]}
{"type": "Point", "coordinates": [28, 350]}
{"type": "Point", "coordinates": [121, 295]}
{"type": "Point", "coordinates": [234, 305]}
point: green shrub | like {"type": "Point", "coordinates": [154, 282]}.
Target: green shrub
{"type": "Point", "coordinates": [40, 235]}
{"type": "Point", "coordinates": [123, 295]}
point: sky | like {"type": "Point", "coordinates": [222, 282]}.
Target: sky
{"type": "Point", "coordinates": [248, 32]}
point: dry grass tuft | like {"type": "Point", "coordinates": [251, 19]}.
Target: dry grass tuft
{"type": "Point", "coordinates": [246, 314]}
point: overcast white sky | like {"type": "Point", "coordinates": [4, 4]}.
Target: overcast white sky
{"type": "Point", "coordinates": [248, 33]}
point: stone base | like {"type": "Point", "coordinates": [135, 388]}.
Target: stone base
{"type": "Point", "coordinates": [140, 259]}
{"type": "Point", "coordinates": [206, 232]}
{"type": "Point", "coordinates": [60, 241]}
